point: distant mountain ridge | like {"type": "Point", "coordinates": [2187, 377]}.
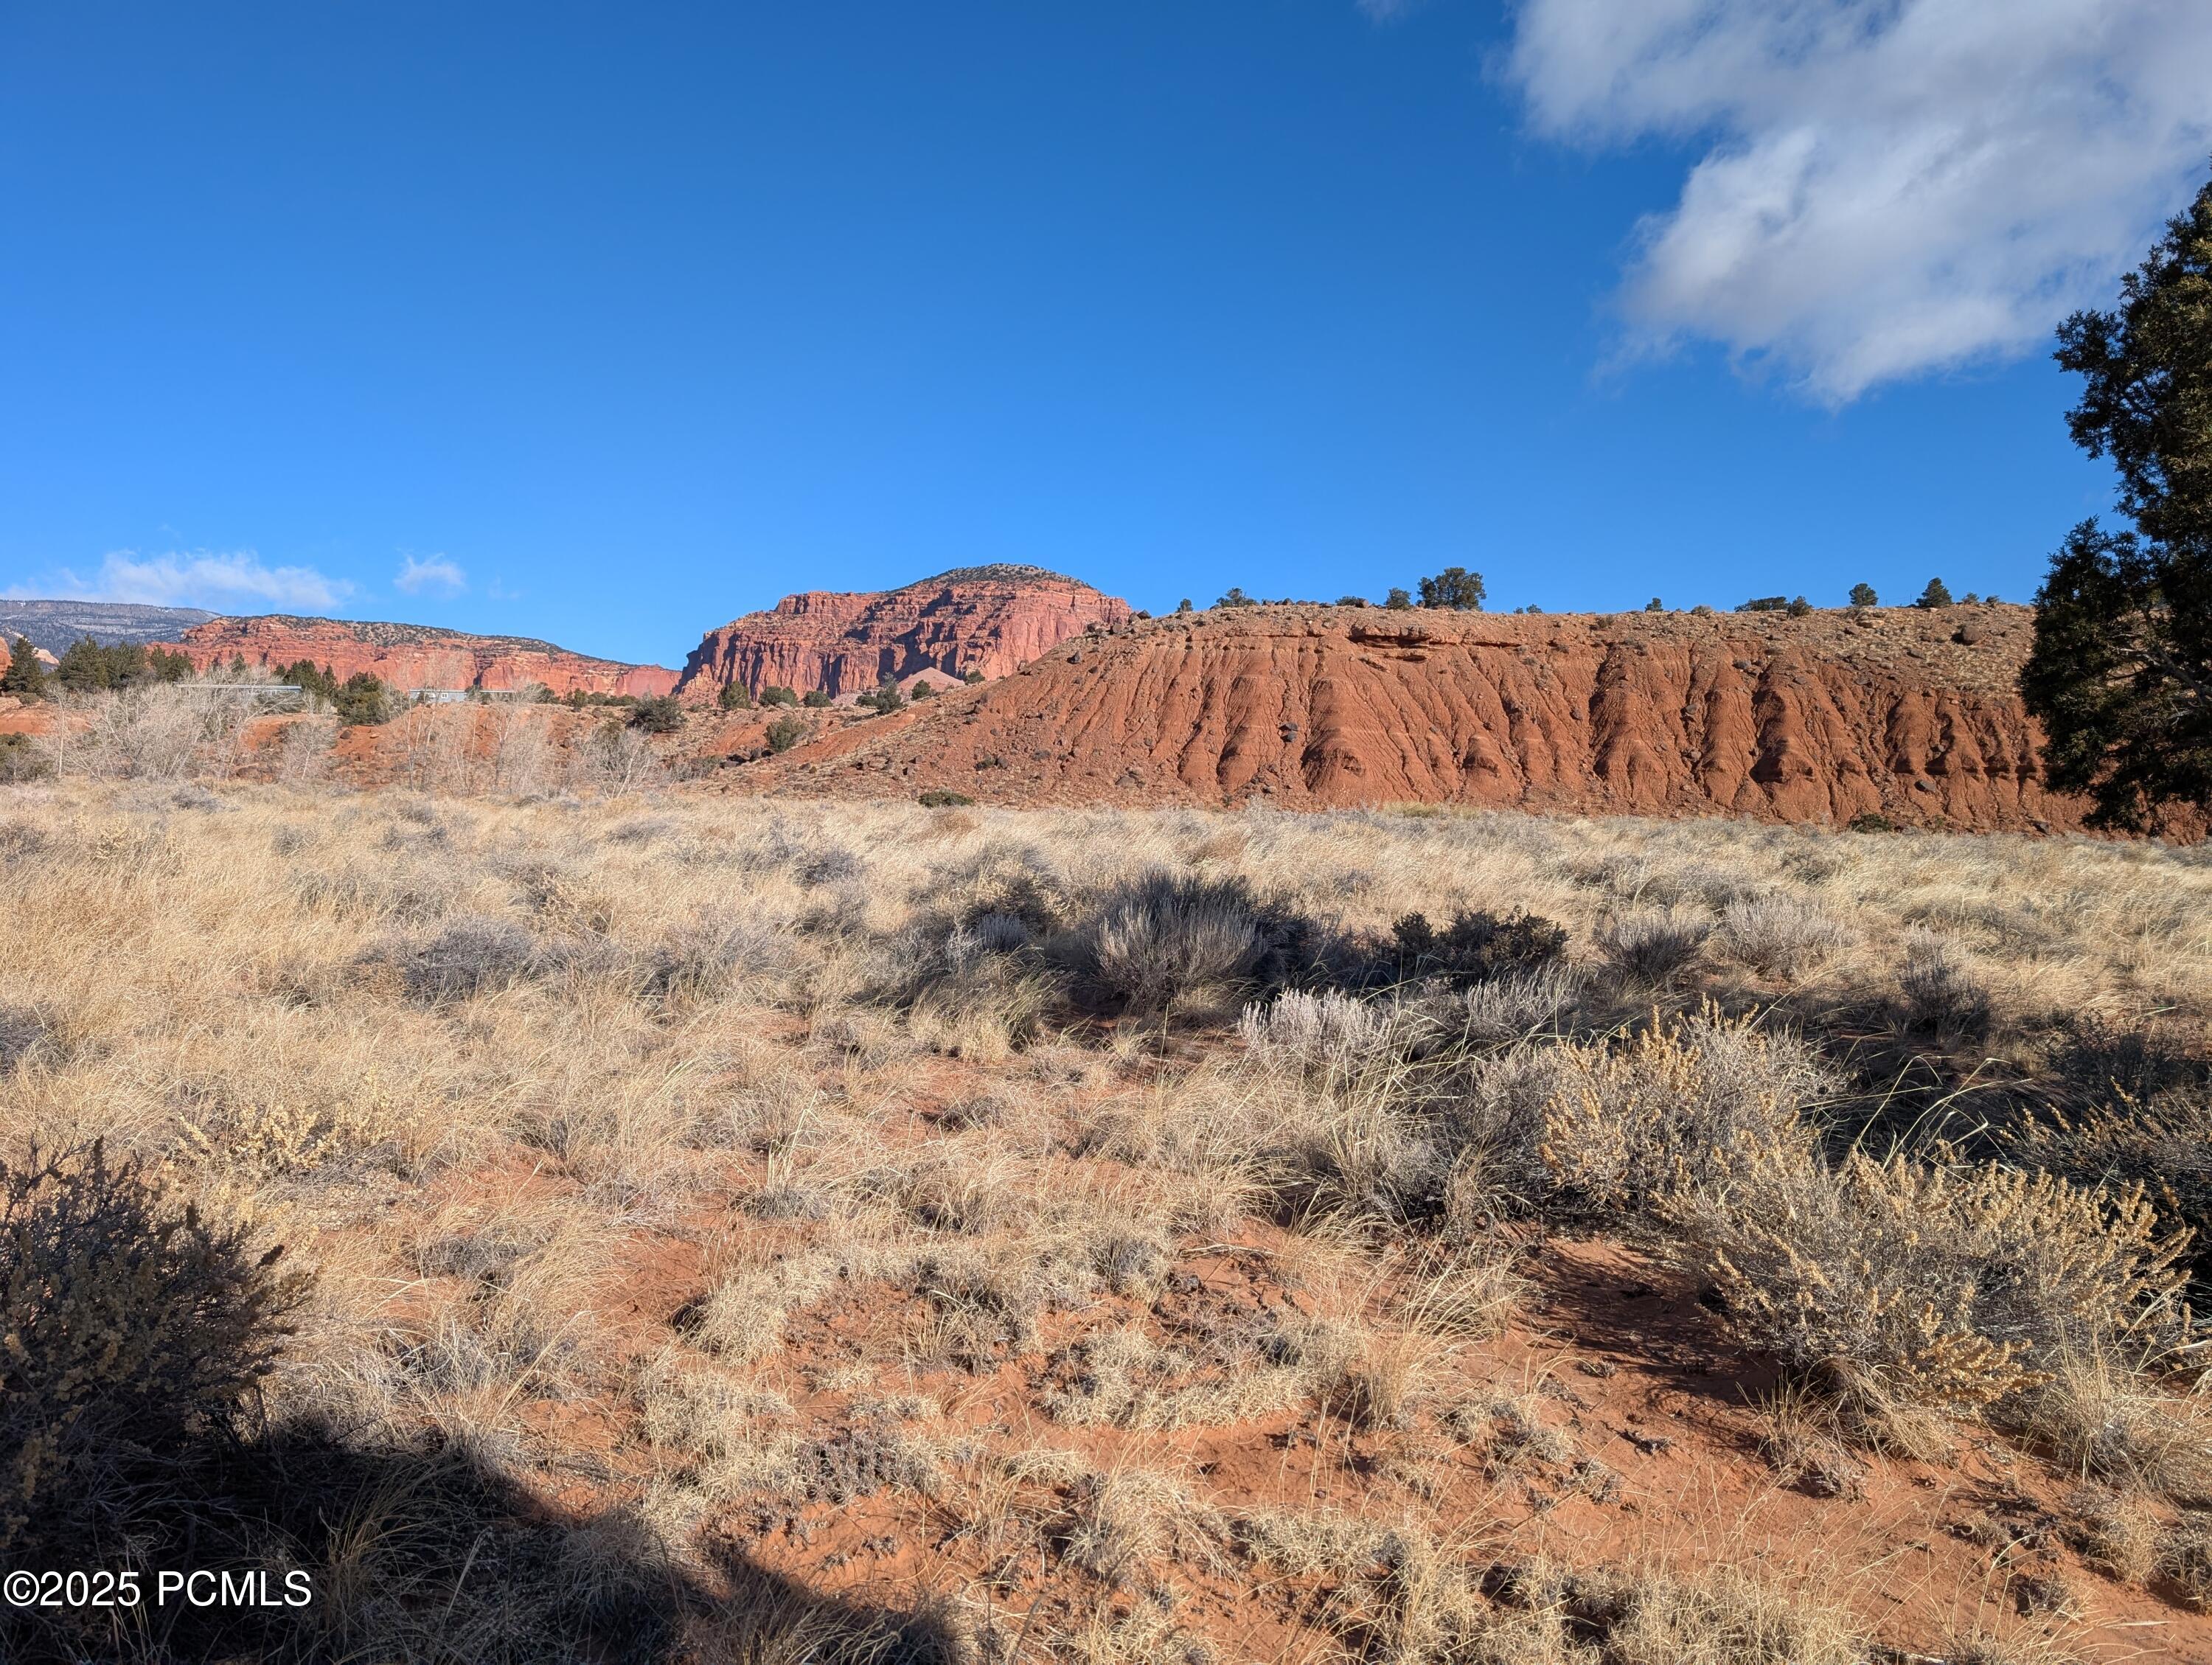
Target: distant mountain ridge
{"type": "Point", "coordinates": [57, 625]}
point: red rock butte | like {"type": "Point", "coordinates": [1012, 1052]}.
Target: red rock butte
{"type": "Point", "coordinates": [1912, 715]}
{"type": "Point", "coordinates": [989, 620]}
{"type": "Point", "coordinates": [416, 656]}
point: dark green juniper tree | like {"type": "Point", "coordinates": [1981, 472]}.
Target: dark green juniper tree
{"type": "Point", "coordinates": [2121, 671]}
{"type": "Point", "coordinates": [25, 676]}
{"type": "Point", "coordinates": [1455, 588]}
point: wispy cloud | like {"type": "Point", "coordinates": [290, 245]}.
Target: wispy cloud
{"type": "Point", "coordinates": [200, 578]}
{"type": "Point", "coordinates": [436, 572]}
{"type": "Point", "coordinates": [1887, 187]}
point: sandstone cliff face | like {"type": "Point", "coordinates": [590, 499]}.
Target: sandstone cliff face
{"type": "Point", "coordinates": [1814, 719]}
{"type": "Point", "coordinates": [410, 656]}
{"type": "Point", "coordinates": [986, 619]}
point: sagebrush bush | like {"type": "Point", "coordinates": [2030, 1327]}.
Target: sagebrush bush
{"type": "Point", "coordinates": [1940, 992]}
{"type": "Point", "coordinates": [1650, 947]}
{"type": "Point", "coordinates": [1896, 1282]}
{"type": "Point", "coordinates": [2160, 1139]}
{"type": "Point", "coordinates": [1512, 1007]}
{"type": "Point", "coordinates": [1329, 1033]}
{"type": "Point", "coordinates": [1474, 948]}
{"type": "Point", "coordinates": [135, 1330]}
{"type": "Point", "coordinates": [472, 955]}
{"type": "Point", "coordinates": [1172, 940]}
{"type": "Point", "coordinates": [1625, 1125]}
{"type": "Point", "coordinates": [1783, 936]}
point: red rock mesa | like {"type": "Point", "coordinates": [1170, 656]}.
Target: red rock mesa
{"type": "Point", "coordinates": [1896, 712]}
{"type": "Point", "coordinates": [411, 656]}
{"type": "Point", "coordinates": [992, 620]}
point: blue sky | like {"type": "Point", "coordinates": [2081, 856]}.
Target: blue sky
{"type": "Point", "coordinates": [606, 324]}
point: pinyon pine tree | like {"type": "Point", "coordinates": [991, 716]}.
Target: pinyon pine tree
{"type": "Point", "coordinates": [2121, 671]}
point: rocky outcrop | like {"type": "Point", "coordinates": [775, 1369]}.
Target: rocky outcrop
{"type": "Point", "coordinates": [987, 620]}
{"type": "Point", "coordinates": [412, 656]}
{"type": "Point", "coordinates": [1894, 712]}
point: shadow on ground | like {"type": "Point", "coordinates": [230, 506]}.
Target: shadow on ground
{"type": "Point", "coordinates": [425, 1555]}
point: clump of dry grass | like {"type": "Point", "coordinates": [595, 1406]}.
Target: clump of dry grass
{"type": "Point", "coordinates": [1803, 1444]}
{"type": "Point", "coordinates": [1414, 1603]}
{"type": "Point", "coordinates": [2104, 1421]}
{"type": "Point", "coordinates": [1122, 1518]}
{"type": "Point", "coordinates": [2116, 1532]}
{"type": "Point", "coordinates": [743, 1317]}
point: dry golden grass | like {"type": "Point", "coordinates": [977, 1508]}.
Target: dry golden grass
{"type": "Point", "coordinates": [716, 1171]}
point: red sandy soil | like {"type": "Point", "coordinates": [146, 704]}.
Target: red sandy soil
{"type": "Point", "coordinates": [1625, 1362]}
{"type": "Point", "coordinates": [412, 656]}
{"type": "Point", "coordinates": [1914, 715]}
{"type": "Point", "coordinates": [991, 620]}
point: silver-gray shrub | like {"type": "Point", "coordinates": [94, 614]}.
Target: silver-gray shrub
{"type": "Point", "coordinates": [1783, 936]}
{"type": "Point", "coordinates": [1651, 946]}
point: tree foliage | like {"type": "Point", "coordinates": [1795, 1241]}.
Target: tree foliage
{"type": "Point", "coordinates": [88, 666]}
{"type": "Point", "coordinates": [25, 676]}
{"type": "Point", "coordinates": [2121, 671]}
{"type": "Point", "coordinates": [1863, 595]}
{"type": "Point", "coordinates": [1937, 594]}
{"type": "Point", "coordinates": [657, 713]}
{"type": "Point", "coordinates": [362, 701]}
{"type": "Point", "coordinates": [1455, 587]}
{"type": "Point", "coordinates": [317, 683]}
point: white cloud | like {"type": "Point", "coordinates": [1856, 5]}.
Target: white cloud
{"type": "Point", "coordinates": [436, 572]}
{"type": "Point", "coordinates": [1889, 187]}
{"type": "Point", "coordinates": [199, 579]}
